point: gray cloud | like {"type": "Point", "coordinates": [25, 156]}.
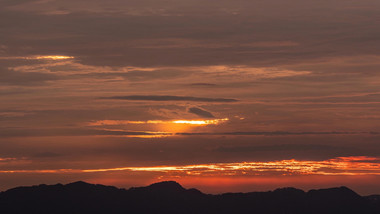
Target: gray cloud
{"type": "Point", "coordinates": [10, 77]}
{"type": "Point", "coordinates": [8, 132]}
{"type": "Point", "coordinates": [47, 155]}
{"type": "Point", "coordinates": [201, 112]}
{"type": "Point", "coordinates": [106, 37]}
{"type": "Point", "coordinates": [280, 147]}
{"type": "Point", "coordinates": [279, 133]}
{"type": "Point", "coordinates": [170, 98]}
{"type": "Point", "coordinates": [139, 75]}
{"type": "Point", "coordinates": [203, 84]}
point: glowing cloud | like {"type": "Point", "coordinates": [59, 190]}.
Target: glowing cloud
{"type": "Point", "coordinates": [200, 122]}
{"type": "Point", "coordinates": [39, 57]}
{"type": "Point", "coordinates": [360, 165]}
{"type": "Point", "coordinates": [54, 57]}
{"type": "Point", "coordinates": [188, 122]}
{"type": "Point", "coordinates": [7, 159]}
{"type": "Point", "coordinates": [337, 166]}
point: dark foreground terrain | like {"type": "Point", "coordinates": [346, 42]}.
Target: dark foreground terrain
{"type": "Point", "coordinates": [170, 197]}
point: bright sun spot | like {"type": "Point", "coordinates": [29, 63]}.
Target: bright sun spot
{"type": "Point", "coordinates": [186, 122]}
{"type": "Point", "coordinates": [52, 57]}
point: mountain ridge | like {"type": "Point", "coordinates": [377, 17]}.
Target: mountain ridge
{"type": "Point", "coordinates": [171, 197]}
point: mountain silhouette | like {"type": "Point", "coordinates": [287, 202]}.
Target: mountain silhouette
{"type": "Point", "coordinates": [170, 197]}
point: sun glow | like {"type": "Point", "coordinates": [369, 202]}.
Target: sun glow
{"type": "Point", "coordinates": [167, 127]}
{"type": "Point", "coordinates": [187, 122]}
{"type": "Point", "coordinates": [53, 57]}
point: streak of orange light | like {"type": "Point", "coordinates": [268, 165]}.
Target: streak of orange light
{"type": "Point", "coordinates": [53, 57]}
{"type": "Point", "coordinates": [39, 57]}
{"type": "Point", "coordinates": [336, 166]}
{"type": "Point", "coordinates": [200, 122]}
{"type": "Point", "coordinates": [188, 122]}
{"type": "Point", "coordinates": [7, 159]}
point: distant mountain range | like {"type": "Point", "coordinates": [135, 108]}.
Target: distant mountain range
{"type": "Point", "coordinates": [170, 197]}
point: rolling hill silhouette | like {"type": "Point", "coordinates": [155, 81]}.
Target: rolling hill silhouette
{"type": "Point", "coordinates": [170, 197]}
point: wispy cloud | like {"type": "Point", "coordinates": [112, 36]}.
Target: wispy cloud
{"type": "Point", "coordinates": [10, 77]}
{"type": "Point", "coordinates": [7, 159]}
{"type": "Point", "coordinates": [170, 98]}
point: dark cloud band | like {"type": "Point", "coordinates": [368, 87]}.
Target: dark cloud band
{"type": "Point", "coordinates": [201, 112]}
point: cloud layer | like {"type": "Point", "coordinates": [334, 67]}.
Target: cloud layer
{"type": "Point", "coordinates": [98, 84]}
{"type": "Point", "coordinates": [170, 98]}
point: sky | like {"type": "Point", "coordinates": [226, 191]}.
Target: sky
{"type": "Point", "coordinates": [227, 95]}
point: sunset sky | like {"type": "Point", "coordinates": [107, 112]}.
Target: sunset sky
{"type": "Point", "coordinates": [227, 95]}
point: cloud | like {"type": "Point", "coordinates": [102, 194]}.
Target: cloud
{"type": "Point", "coordinates": [202, 84]}
{"type": "Point", "coordinates": [277, 133]}
{"type": "Point", "coordinates": [7, 159]}
{"type": "Point", "coordinates": [132, 74]}
{"type": "Point", "coordinates": [47, 155]}
{"type": "Point", "coordinates": [72, 132]}
{"type": "Point", "coordinates": [279, 147]}
{"type": "Point", "coordinates": [335, 166]}
{"type": "Point", "coordinates": [285, 36]}
{"type": "Point", "coordinates": [13, 114]}
{"type": "Point", "coordinates": [170, 98]}
{"type": "Point", "coordinates": [11, 77]}
{"type": "Point", "coordinates": [361, 165]}
{"type": "Point", "coordinates": [187, 122]}
{"type": "Point", "coordinates": [201, 112]}
{"type": "Point", "coordinates": [305, 67]}
{"type": "Point", "coordinates": [11, 132]}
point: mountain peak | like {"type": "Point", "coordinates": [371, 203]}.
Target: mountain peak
{"type": "Point", "coordinates": [288, 189]}
{"type": "Point", "coordinates": [167, 185]}
{"type": "Point", "coordinates": [341, 190]}
{"type": "Point", "coordinates": [78, 183]}
{"type": "Point", "coordinates": [336, 193]}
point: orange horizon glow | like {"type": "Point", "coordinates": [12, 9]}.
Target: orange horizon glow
{"type": "Point", "coordinates": [353, 166]}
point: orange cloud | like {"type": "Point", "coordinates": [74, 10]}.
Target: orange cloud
{"type": "Point", "coordinates": [39, 57]}
{"type": "Point", "coordinates": [360, 165]}
{"type": "Point", "coordinates": [337, 166]}
{"type": "Point", "coordinates": [165, 127]}
{"type": "Point", "coordinates": [188, 122]}
{"type": "Point", "coordinates": [53, 57]}
{"type": "Point", "coordinates": [7, 159]}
